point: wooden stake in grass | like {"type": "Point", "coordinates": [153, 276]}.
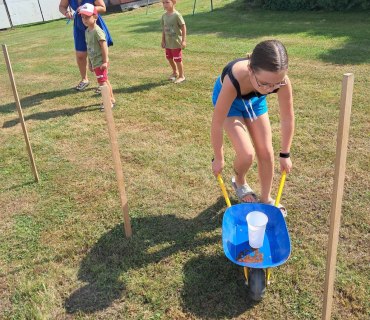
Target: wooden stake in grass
{"type": "Point", "coordinates": [20, 113]}
{"type": "Point", "coordinates": [116, 158]}
{"type": "Point", "coordinates": [340, 166]}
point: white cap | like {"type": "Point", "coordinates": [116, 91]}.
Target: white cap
{"type": "Point", "coordinates": [87, 9]}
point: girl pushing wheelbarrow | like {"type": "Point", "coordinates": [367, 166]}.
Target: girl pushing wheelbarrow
{"type": "Point", "coordinates": [240, 107]}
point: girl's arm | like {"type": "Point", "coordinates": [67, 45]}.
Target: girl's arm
{"type": "Point", "coordinates": [285, 98]}
{"type": "Point", "coordinates": [100, 6]}
{"type": "Point", "coordinates": [104, 51]}
{"type": "Point", "coordinates": [224, 101]}
{"type": "Point", "coordinates": [183, 33]}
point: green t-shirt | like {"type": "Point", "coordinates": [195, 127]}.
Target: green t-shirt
{"type": "Point", "coordinates": [171, 25]}
{"type": "Point", "coordinates": [93, 47]}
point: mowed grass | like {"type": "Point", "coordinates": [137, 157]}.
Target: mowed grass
{"type": "Point", "coordinates": [63, 253]}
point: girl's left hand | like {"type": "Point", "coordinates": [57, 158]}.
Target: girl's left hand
{"type": "Point", "coordinates": [286, 164]}
{"type": "Point", "coordinates": [183, 44]}
{"type": "Point", "coordinates": [104, 66]}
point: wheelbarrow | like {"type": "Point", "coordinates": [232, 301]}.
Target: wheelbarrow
{"type": "Point", "coordinates": [276, 247]}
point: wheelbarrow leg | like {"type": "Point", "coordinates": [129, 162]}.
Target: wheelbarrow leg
{"type": "Point", "coordinates": [246, 275]}
{"type": "Point", "coordinates": [268, 275]}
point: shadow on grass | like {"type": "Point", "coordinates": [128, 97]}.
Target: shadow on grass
{"type": "Point", "coordinates": [52, 114]}
{"type": "Point", "coordinates": [214, 288]}
{"type": "Point", "coordinates": [36, 99]}
{"type": "Point", "coordinates": [142, 87]}
{"type": "Point", "coordinates": [21, 185]}
{"type": "Point", "coordinates": [238, 20]}
{"type": "Point", "coordinates": [113, 255]}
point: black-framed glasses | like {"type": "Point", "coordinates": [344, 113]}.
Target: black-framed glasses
{"type": "Point", "coordinates": [269, 85]}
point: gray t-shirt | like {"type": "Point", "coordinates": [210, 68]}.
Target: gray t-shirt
{"type": "Point", "coordinates": [171, 25]}
{"type": "Point", "coordinates": [93, 47]}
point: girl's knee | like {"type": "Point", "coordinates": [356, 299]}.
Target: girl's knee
{"type": "Point", "coordinates": [266, 155]}
{"type": "Point", "coordinates": [246, 157]}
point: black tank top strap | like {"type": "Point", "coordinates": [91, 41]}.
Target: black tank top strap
{"type": "Point", "coordinates": [228, 70]}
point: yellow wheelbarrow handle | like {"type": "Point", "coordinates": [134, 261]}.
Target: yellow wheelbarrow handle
{"type": "Point", "coordinates": [224, 192]}
{"type": "Point", "coordinates": [278, 197]}
{"type": "Point", "coordinates": [280, 190]}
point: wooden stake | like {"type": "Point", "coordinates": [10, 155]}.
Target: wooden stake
{"type": "Point", "coordinates": [20, 113]}
{"type": "Point", "coordinates": [340, 166]}
{"type": "Point", "coordinates": [116, 158]}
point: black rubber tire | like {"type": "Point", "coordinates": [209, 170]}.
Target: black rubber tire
{"type": "Point", "coordinates": [256, 284]}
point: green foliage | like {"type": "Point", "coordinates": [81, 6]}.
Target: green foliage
{"type": "Point", "coordinates": [330, 5]}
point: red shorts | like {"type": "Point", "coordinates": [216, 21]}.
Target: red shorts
{"type": "Point", "coordinates": [175, 54]}
{"type": "Point", "coordinates": [101, 75]}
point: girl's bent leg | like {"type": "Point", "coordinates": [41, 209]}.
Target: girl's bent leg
{"type": "Point", "coordinates": [260, 131]}
{"type": "Point", "coordinates": [239, 137]}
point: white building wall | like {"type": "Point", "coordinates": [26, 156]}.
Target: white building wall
{"type": "Point", "coordinates": [28, 11]}
{"type": "Point", "coordinates": [4, 20]}
{"type": "Point", "coordinates": [50, 9]}
{"type": "Point", "coordinates": [24, 11]}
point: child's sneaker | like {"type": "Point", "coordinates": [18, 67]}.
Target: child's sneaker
{"type": "Point", "coordinates": [82, 85]}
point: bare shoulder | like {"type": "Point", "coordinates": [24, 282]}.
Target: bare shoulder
{"type": "Point", "coordinates": [240, 70]}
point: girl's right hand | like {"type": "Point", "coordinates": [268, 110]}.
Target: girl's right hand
{"type": "Point", "coordinates": [217, 166]}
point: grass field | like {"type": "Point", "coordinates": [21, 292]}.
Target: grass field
{"type": "Point", "coordinates": [63, 254]}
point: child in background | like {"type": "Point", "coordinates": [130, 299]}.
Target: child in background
{"type": "Point", "coordinates": [97, 49]}
{"type": "Point", "coordinates": [173, 39]}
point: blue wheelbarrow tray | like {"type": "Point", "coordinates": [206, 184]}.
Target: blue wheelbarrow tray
{"type": "Point", "coordinates": [276, 244]}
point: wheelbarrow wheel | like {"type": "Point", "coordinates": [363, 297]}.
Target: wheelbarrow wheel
{"type": "Point", "coordinates": [256, 284]}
